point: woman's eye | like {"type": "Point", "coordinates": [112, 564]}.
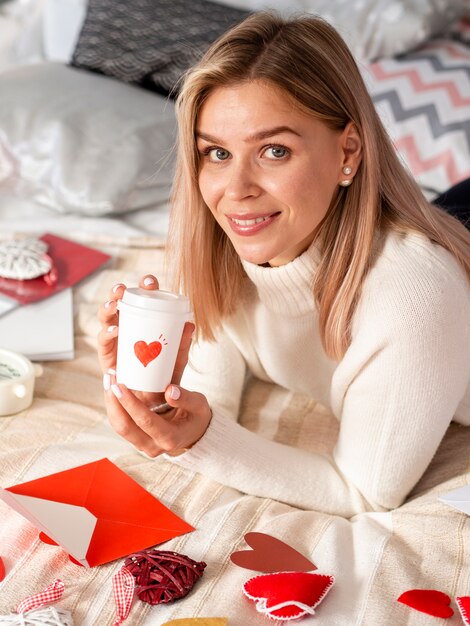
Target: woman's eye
{"type": "Point", "coordinates": [276, 152]}
{"type": "Point", "coordinates": [218, 154]}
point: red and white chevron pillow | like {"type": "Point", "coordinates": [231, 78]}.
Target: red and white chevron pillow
{"type": "Point", "coordinates": [423, 99]}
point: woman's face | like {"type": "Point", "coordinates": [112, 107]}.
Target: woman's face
{"type": "Point", "coordinates": [268, 172]}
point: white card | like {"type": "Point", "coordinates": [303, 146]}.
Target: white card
{"type": "Point", "coordinates": [458, 498]}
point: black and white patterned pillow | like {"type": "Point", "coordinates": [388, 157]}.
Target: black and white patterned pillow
{"type": "Point", "coordinates": [150, 42]}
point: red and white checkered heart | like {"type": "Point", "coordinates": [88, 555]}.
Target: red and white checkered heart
{"type": "Point", "coordinates": [287, 595]}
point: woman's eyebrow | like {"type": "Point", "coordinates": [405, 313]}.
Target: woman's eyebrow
{"type": "Point", "coordinates": [262, 134]}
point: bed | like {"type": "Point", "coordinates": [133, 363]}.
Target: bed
{"type": "Point", "coordinates": [59, 173]}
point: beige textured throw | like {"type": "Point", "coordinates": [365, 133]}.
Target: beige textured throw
{"type": "Point", "coordinates": [374, 557]}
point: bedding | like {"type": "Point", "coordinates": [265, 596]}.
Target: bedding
{"type": "Point", "coordinates": [423, 97]}
{"type": "Point", "coordinates": [118, 38]}
{"type": "Point", "coordinates": [374, 556]}
{"type": "Point", "coordinates": [80, 143]}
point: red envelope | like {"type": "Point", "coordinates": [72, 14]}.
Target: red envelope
{"type": "Point", "coordinates": [96, 512]}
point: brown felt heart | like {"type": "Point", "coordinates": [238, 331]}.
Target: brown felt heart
{"type": "Point", "coordinates": [428, 601]}
{"type": "Point", "coordinates": [269, 554]}
{"type": "Point", "coordinates": [147, 352]}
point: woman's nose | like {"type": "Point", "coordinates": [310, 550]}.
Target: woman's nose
{"type": "Point", "coordinates": [241, 182]}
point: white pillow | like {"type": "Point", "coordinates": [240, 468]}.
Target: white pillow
{"type": "Point", "coordinates": [373, 28]}
{"type": "Point", "coordinates": [85, 143]}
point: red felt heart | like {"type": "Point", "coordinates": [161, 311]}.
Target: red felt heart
{"type": "Point", "coordinates": [270, 555]}
{"type": "Point", "coordinates": [428, 601]}
{"type": "Point", "coordinates": [287, 595]}
{"type": "Point", "coordinates": [2, 569]}
{"type": "Point", "coordinates": [46, 539]}
{"type": "Point", "coordinates": [147, 352]}
{"type": "Point", "coordinates": [463, 602]}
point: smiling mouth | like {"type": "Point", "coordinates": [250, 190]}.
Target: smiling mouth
{"type": "Point", "coordinates": [256, 220]}
{"type": "Point", "coordinates": [251, 225]}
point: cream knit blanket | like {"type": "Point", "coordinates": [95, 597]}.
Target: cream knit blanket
{"type": "Point", "coordinates": [374, 557]}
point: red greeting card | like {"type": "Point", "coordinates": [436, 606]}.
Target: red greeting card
{"type": "Point", "coordinates": [95, 512]}
{"type": "Point", "coordinates": [71, 263]}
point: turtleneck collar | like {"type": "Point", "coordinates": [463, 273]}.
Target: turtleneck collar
{"type": "Point", "coordinates": [287, 289]}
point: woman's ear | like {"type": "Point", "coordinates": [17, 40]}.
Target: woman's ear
{"type": "Point", "coordinates": [351, 146]}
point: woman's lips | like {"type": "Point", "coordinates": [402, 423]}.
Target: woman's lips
{"type": "Point", "coordinates": [250, 223]}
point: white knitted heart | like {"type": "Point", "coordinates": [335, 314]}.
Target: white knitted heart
{"type": "Point", "coordinates": [43, 616]}
{"type": "Point", "coordinates": [23, 259]}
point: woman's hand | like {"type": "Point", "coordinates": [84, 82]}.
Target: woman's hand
{"type": "Point", "coordinates": [174, 431]}
{"type": "Point", "coordinates": [129, 412]}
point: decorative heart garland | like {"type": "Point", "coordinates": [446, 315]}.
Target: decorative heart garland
{"type": "Point", "coordinates": [269, 554]}
{"type": "Point", "coordinates": [430, 601]}
{"type": "Point", "coordinates": [287, 595]}
{"type": "Point", "coordinates": [147, 352]}
{"type": "Point", "coordinates": [463, 602]}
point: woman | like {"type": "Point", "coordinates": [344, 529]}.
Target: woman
{"type": "Point", "coordinates": [312, 261]}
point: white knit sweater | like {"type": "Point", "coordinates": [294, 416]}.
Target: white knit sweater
{"type": "Point", "coordinates": [403, 379]}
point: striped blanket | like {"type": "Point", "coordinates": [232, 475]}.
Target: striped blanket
{"type": "Point", "coordinates": [374, 557]}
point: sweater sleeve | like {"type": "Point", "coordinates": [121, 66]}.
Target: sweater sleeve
{"type": "Point", "coordinates": [395, 392]}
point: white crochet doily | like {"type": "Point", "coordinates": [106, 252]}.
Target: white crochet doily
{"type": "Point", "coordinates": [23, 259]}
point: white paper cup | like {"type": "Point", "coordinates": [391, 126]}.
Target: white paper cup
{"type": "Point", "coordinates": [150, 328]}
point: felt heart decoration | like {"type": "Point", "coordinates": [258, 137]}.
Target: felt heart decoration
{"type": "Point", "coordinates": [2, 569]}
{"type": "Point", "coordinates": [463, 602]}
{"type": "Point", "coordinates": [270, 555]}
{"type": "Point", "coordinates": [428, 601]}
{"type": "Point", "coordinates": [147, 352]}
{"type": "Point", "coordinates": [287, 595]}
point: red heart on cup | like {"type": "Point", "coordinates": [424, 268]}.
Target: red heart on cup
{"type": "Point", "coordinates": [147, 352]}
{"type": "Point", "coordinates": [287, 595]}
{"type": "Point", "coordinates": [463, 602]}
{"type": "Point", "coordinates": [269, 554]}
{"type": "Point", "coordinates": [428, 601]}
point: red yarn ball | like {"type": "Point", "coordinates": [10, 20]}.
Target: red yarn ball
{"type": "Point", "coordinates": [162, 576]}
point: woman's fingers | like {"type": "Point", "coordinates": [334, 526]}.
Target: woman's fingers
{"type": "Point", "coordinates": [122, 422]}
{"type": "Point", "coordinates": [148, 282]}
{"type": "Point", "coordinates": [177, 429]}
{"type": "Point", "coordinates": [107, 346]}
{"type": "Point", "coordinates": [183, 351]}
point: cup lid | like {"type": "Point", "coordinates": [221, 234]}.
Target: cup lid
{"type": "Point", "coordinates": [156, 300]}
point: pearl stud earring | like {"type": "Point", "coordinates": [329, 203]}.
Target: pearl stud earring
{"type": "Point", "coordinates": [346, 171]}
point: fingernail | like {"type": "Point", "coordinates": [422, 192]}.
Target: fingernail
{"type": "Point", "coordinates": [117, 392]}
{"type": "Point", "coordinates": [175, 392]}
{"type": "Point", "coordinates": [110, 329]}
{"type": "Point", "coordinates": [148, 281]}
{"type": "Point", "coordinates": [106, 382]}
{"type": "Point", "coordinates": [116, 287]}
{"type": "Point", "coordinates": [108, 304]}
{"type": "Point", "coordinates": [112, 371]}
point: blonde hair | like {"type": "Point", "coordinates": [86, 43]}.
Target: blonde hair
{"type": "Point", "coordinates": [306, 58]}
